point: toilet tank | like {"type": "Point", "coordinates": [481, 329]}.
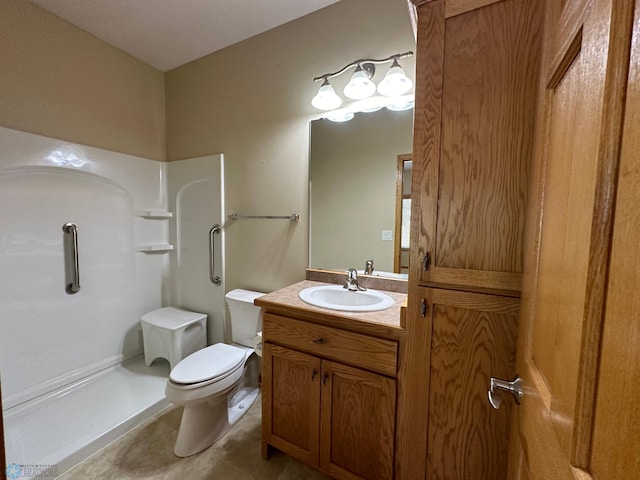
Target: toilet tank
{"type": "Point", "coordinates": [246, 318]}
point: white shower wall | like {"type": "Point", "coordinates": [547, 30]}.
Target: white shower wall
{"type": "Point", "coordinates": [49, 338]}
{"type": "Point", "coordinates": [196, 197]}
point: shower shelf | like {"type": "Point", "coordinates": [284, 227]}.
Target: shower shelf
{"type": "Point", "coordinates": [162, 247]}
{"type": "Point", "coordinates": [154, 213]}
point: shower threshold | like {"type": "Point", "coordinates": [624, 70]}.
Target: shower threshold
{"type": "Point", "coordinates": [56, 431]}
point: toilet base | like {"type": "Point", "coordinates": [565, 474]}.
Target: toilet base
{"type": "Point", "coordinates": [204, 424]}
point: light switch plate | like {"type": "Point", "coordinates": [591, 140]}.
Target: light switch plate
{"type": "Point", "coordinates": [387, 235]}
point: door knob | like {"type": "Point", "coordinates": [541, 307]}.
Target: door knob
{"type": "Point", "coordinates": [497, 386]}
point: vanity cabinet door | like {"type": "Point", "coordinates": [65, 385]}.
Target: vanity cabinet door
{"type": "Point", "coordinates": [291, 403]}
{"type": "Point", "coordinates": [358, 423]}
{"type": "Point", "coordinates": [476, 79]}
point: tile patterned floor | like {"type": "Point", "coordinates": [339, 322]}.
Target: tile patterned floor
{"type": "Point", "coordinates": [147, 453]}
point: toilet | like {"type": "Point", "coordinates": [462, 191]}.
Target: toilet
{"type": "Point", "coordinates": [218, 384]}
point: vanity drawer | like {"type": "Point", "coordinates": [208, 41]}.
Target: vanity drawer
{"type": "Point", "coordinates": [355, 349]}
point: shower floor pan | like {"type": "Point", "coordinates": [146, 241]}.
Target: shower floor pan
{"type": "Point", "coordinates": [56, 431]}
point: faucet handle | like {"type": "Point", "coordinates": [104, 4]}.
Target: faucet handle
{"type": "Point", "coordinates": [368, 267]}
{"type": "Point", "coordinates": [351, 282]}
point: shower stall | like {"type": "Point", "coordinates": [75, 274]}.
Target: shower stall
{"type": "Point", "coordinates": [89, 241]}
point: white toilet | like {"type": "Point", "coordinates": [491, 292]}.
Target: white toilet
{"type": "Point", "coordinates": [218, 384]}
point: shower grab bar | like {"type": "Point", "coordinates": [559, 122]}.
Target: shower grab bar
{"type": "Point", "coordinates": [294, 217]}
{"type": "Point", "coordinates": [70, 229]}
{"type": "Point", "coordinates": [216, 280]}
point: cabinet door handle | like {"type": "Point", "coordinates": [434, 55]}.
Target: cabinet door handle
{"type": "Point", "coordinates": [423, 308]}
{"type": "Point", "coordinates": [325, 376]}
{"type": "Point", "coordinates": [313, 374]}
{"type": "Point", "coordinates": [426, 261]}
{"type": "Point", "coordinates": [319, 341]}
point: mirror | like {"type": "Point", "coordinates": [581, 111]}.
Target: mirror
{"type": "Point", "coordinates": [353, 191]}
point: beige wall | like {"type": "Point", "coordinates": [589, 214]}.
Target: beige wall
{"type": "Point", "coordinates": [251, 102]}
{"type": "Point", "coordinates": [59, 81]}
{"type": "Point", "coordinates": [353, 188]}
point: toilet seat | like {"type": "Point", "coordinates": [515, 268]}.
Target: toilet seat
{"type": "Point", "coordinates": [208, 365]}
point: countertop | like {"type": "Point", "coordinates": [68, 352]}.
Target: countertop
{"type": "Point", "coordinates": [383, 323]}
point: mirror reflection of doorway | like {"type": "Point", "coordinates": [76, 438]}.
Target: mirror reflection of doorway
{"type": "Point", "coordinates": [403, 214]}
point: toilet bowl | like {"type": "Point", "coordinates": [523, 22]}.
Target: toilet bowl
{"type": "Point", "coordinates": [218, 384]}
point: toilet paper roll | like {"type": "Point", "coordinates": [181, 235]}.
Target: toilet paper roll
{"type": "Point", "coordinates": [257, 344]}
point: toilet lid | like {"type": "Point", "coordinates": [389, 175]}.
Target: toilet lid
{"type": "Point", "coordinates": [208, 363]}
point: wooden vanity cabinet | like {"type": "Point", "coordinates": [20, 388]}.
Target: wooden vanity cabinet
{"type": "Point", "coordinates": [321, 405]}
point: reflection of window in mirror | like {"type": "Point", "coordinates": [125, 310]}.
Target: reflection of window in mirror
{"type": "Point", "coordinates": [403, 214]}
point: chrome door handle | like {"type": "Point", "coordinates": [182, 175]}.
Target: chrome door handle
{"type": "Point", "coordinates": [497, 386]}
{"type": "Point", "coordinates": [215, 279]}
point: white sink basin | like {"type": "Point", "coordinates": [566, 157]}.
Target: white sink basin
{"type": "Point", "coordinates": [335, 297]}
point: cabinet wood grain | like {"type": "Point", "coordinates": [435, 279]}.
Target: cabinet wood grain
{"type": "Point", "coordinates": [474, 136]}
{"type": "Point", "coordinates": [477, 74]}
{"type": "Point", "coordinates": [474, 338]}
{"type": "Point", "coordinates": [364, 351]}
{"type": "Point", "coordinates": [358, 423]}
{"type": "Point", "coordinates": [320, 407]}
{"type": "Point", "coordinates": [291, 403]}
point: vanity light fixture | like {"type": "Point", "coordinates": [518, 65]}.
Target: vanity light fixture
{"type": "Point", "coordinates": [360, 86]}
{"type": "Point", "coordinates": [326, 98]}
{"type": "Point", "coordinates": [394, 83]}
{"type": "Point", "coordinates": [391, 89]}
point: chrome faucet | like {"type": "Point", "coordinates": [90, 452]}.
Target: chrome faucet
{"type": "Point", "coordinates": [352, 281]}
{"type": "Point", "coordinates": [368, 267]}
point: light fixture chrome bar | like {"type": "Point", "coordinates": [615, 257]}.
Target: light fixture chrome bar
{"type": "Point", "coordinates": [294, 217]}
{"type": "Point", "coordinates": [215, 279]}
{"type": "Point", "coordinates": [73, 267]}
{"type": "Point", "coordinates": [375, 61]}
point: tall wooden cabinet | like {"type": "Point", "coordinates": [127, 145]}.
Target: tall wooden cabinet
{"type": "Point", "coordinates": [476, 83]}
{"type": "Point", "coordinates": [475, 104]}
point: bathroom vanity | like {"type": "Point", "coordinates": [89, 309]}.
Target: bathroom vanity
{"type": "Point", "coordinates": [330, 384]}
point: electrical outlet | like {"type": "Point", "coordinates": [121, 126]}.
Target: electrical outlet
{"type": "Point", "coordinates": [387, 235]}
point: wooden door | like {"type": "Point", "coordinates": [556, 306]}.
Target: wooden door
{"type": "Point", "coordinates": [476, 78]}
{"type": "Point", "coordinates": [358, 423]}
{"type": "Point", "coordinates": [291, 403]}
{"type": "Point", "coordinates": [616, 435]}
{"type": "Point", "coordinates": [562, 350]}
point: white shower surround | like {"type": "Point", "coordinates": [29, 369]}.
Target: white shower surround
{"type": "Point", "coordinates": [62, 355]}
{"type": "Point", "coordinates": [50, 338]}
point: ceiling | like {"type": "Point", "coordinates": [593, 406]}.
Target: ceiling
{"type": "Point", "coordinates": [168, 33]}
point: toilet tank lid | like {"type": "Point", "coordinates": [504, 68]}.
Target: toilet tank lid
{"type": "Point", "coordinates": [172, 318]}
{"type": "Point", "coordinates": [244, 295]}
